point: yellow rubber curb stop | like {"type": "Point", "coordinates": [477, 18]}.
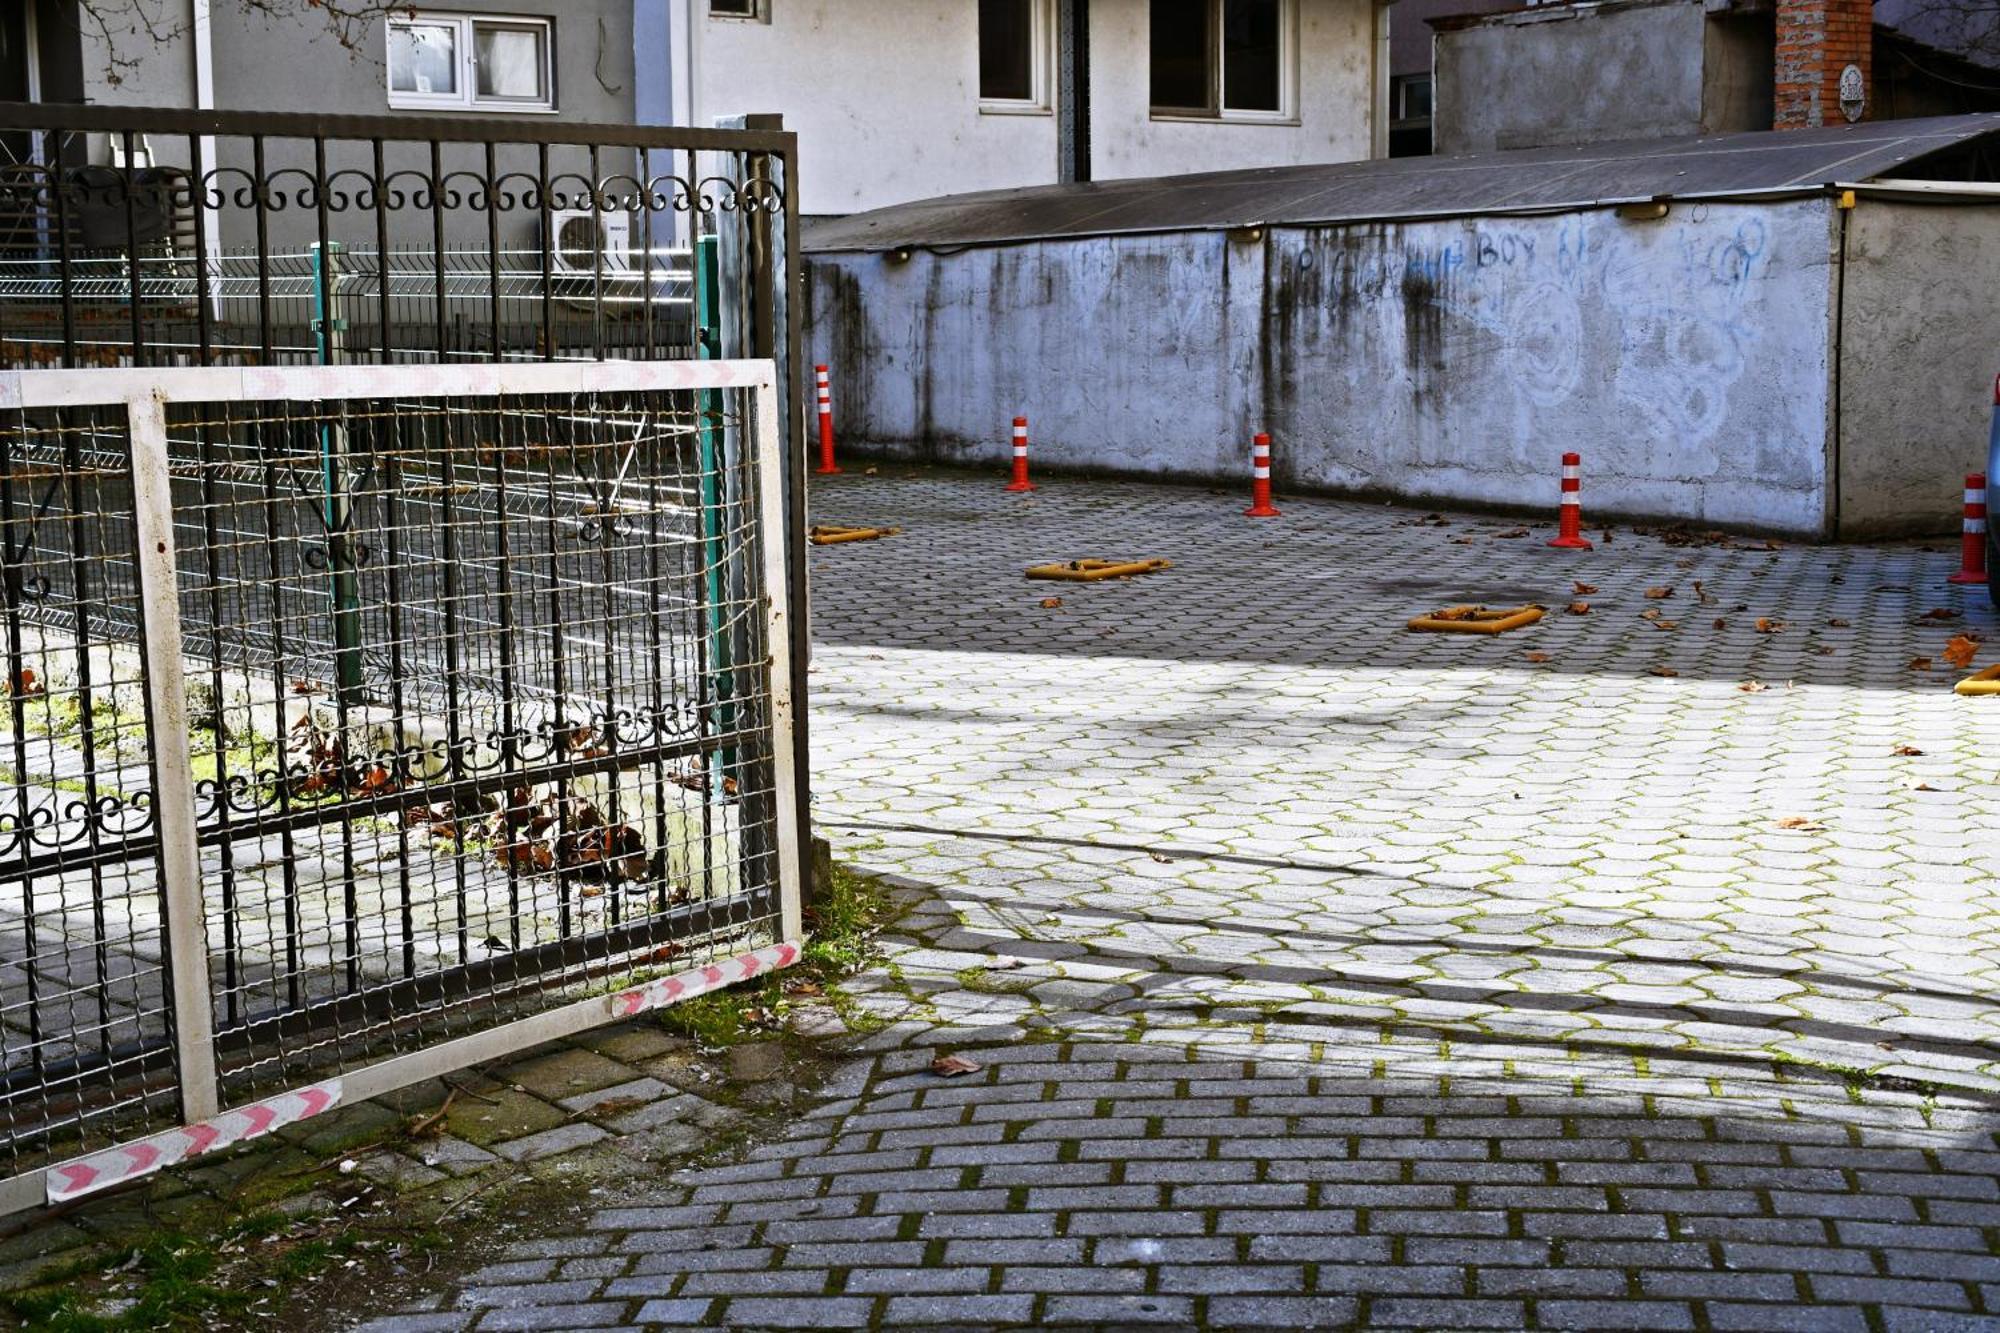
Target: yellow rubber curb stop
{"type": "Point", "coordinates": [829, 534]}
{"type": "Point", "coordinates": [1980, 682]}
{"type": "Point", "coordinates": [1090, 571]}
{"type": "Point", "coordinates": [1476, 620]}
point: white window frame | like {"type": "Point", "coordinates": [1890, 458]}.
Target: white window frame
{"type": "Point", "coordinates": [1041, 61]}
{"type": "Point", "coordinates": [467, 97]}
{"type": "Point", "coordinates": [1288, 77]}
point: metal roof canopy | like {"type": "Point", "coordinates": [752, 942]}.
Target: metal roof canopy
{"type": "Point", "coordinates": [1521, 180]}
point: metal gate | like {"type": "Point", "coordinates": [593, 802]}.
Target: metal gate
{"type": "Point", "coordinates": [486, 680]}
{"type": "Point", "coordinates": [545, 783]}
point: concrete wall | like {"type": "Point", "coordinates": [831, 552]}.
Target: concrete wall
{"type": "Point", "coordinates": [1448, 361]}
{"type": "Point", "coordinates": [884, 95]}
{"type": "Point", "coordinates": [1570, 75]}
{"type": "Point", "coordinates": [1916, 377]}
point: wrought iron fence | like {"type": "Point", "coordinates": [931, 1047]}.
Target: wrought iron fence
{"type": "Point", "coordinates": [480, 684]}
{"type": "Point", "coordinates": [355, 714]}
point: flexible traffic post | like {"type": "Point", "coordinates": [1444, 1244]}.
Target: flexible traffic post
{"type": "Point", "coordinates": [1020, 482]}
{"type": "Point", "coordinates": [1260, 478]}
{"type": "Point", "coordinates": [1972, 563]}
{"type": "Point", "coordinates": [1569, 535]}
{"type": "Point", "coordinates": [824, 388]}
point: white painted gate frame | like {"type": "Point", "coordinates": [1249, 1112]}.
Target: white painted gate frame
{"type": "Point", "coordinates": [145, 393]}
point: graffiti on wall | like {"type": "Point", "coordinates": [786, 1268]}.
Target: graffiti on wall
{"type": "Point", "coordinates": [1550, 303]}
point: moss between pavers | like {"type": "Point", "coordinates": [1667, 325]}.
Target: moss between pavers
{"type": "Point", "coordinates": [564, 1073]}
{"type": "Point", "coordinates": [487, 1118]}
{"type": "Point", "coordinates": [298, 1231]}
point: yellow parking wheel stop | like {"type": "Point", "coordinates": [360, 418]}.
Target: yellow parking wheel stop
{"type": "Point", "coordinates": [830, 534]}
{"type": "Point", "coordinates": [1476, 620]}
{"type": "Point", "coordinates": [1090, 571]}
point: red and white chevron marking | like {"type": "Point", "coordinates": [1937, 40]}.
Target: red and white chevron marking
{"type": "Point", "coordinates": [115, 1166]}
{"type": "Point", "coordinates": [687, 985]}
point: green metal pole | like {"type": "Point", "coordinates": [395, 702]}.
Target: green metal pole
{"type": "Point", "coordinates": [328, 326]}
{"type": "Point", "coordinates": [708, 433]}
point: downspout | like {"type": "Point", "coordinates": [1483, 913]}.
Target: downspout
{"type": "Point", "coordinates": [1843, 209]}
{"type": "Point", "coordinates": [204, 100]}
{"type": "Point", "coordinates": [1378, 119]}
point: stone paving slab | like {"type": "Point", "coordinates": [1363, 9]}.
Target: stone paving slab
{"type": "Point", "coordinates": [1323, 974]}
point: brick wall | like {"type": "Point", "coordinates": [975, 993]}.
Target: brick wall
{"type": "Point", "coordinates": [1816, 40]}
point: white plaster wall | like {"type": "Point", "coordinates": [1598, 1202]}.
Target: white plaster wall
{"type": "Point", "coordinates": [161, 74]}
{"type": "Point", "coordinates": [1686, 359]}
{"type": "Point", "coordinates": [884, 95]}
{"type": "Point", "coordinates": [1335, 62]}
{"type": "Point", "coordinates": [1916, 376]}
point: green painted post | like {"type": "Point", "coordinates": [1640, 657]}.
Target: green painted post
{"type": "Point", "coordinates": [708, 408]}
{"type": "Point", "coordinates": [345, 589]}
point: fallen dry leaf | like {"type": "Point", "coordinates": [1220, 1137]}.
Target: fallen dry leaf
{"type": "Point", "coordinates": [1605, 536]}
{"type": "Point", "coordinates": [1822, 650]}
{"type": "Point", "coordinates": [1651, 613]}
{"type": "Point", "coordinates": [1766, 625]}
{"type": "Point", "coordinates": [1005, 964]}
{"type": "Point", "coordinates": [1665, 624]}
{"type": "Point", "coordinates": [1923, 786]}
{"type": "Point", "coordinates": [1906, 751]}
{"type": "Point", "coordinates": [1662, 671]}
{"type": "Point", "coordinates": [1701, 594]}
{"type": "Point", "coordinates": [1940, 613]}
{"type": "Point", "coordinates": [1583, 589]}
{"type": "Point", "coordinates": [1801, 823]}
{"type": "Point", "coordinates": [1753, 687]}
{"type": "Point", "coordinates": [1463, 541]}
{"type": "Point", "coordinates": [1837, 623]}
{"type": "Point", "coordinates": [1660, 594]}
{"type": "Point", "coordinates": [1454, 613]}
{"type": "Point", "coordinates": [1720, 623]}
{"type": "Point", "coordinates": [951, 1066]}
{"type": "Point", "coordinates": [1579, 608]}
{"type": "Point", "coordinates": [1920, 664]}
{"type": "Point", "coordinates": [1051, 603]}
{"type": "Point", "coordinates": [868, 472]}
{"type": "Point", "coordinates": [1538, 657]}
{"type": "Point", "coordinates": [1961, 650]}
{"type": "Point", "coordinates": [1511, 532]}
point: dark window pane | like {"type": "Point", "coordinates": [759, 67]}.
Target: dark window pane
{"type": "Point", "coordinates": [1182, 43]}
{"type": "Point", "coordinates": [1006, 50]}
{"type": "Point", "coordinates": [1250, 80]}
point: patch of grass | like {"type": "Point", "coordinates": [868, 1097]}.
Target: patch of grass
{"type": "Point", "coordinates": [173, 1291]}
{"type": "Point", "coordinates": [841, 928]}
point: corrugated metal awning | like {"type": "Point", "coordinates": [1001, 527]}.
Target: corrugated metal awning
{"type": "Point", "coordinates": [1534, 179]}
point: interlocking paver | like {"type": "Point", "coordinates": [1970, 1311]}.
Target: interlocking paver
{"type": "Point", "coordinates": [1365, 974]}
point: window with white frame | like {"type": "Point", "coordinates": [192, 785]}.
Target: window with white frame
{"type": "Point", "coordinates": [471, 61]}
{"type": "Point", "coordinates": [1225, 59]}
{"type": "Point", "coordinates": [738, 9]}
{"type": "Point", "coordinates": [1013, 55]}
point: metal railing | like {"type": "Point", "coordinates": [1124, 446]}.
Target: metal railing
{"type": "Point", "coordinates": [252, 861]}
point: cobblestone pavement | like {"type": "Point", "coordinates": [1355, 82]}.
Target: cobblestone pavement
{"type": "Point", "coordinates": [1323, 973]}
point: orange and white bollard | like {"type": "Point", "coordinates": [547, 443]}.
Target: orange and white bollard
{"type": "Point", "coordinates": [1020, 482]}
{"type": "Point", "coordinates": [1570, 534]}
{"type": "Point", "coordinates": [1260, 478]}
{"type": "Point", "coordinates": [1972, 564]}
{"type": "Point", "coordinates": [825, 391]}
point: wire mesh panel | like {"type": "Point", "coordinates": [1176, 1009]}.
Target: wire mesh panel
{"type": "Point", "coordinates": [483, 714]}
{"type": "Point", "coordinates": [84, 1024]}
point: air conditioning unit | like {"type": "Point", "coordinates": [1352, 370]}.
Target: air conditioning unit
{"type": "Point", "coordinates": [578, 236]}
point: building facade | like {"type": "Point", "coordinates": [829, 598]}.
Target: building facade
{"type": "Point", "coordinates": [891, 101]}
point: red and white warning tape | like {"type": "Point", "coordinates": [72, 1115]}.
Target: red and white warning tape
{"type": "Point", "coordinates": [687, 985]}
{"type": "Point", "coordinates": [115, 1166]}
